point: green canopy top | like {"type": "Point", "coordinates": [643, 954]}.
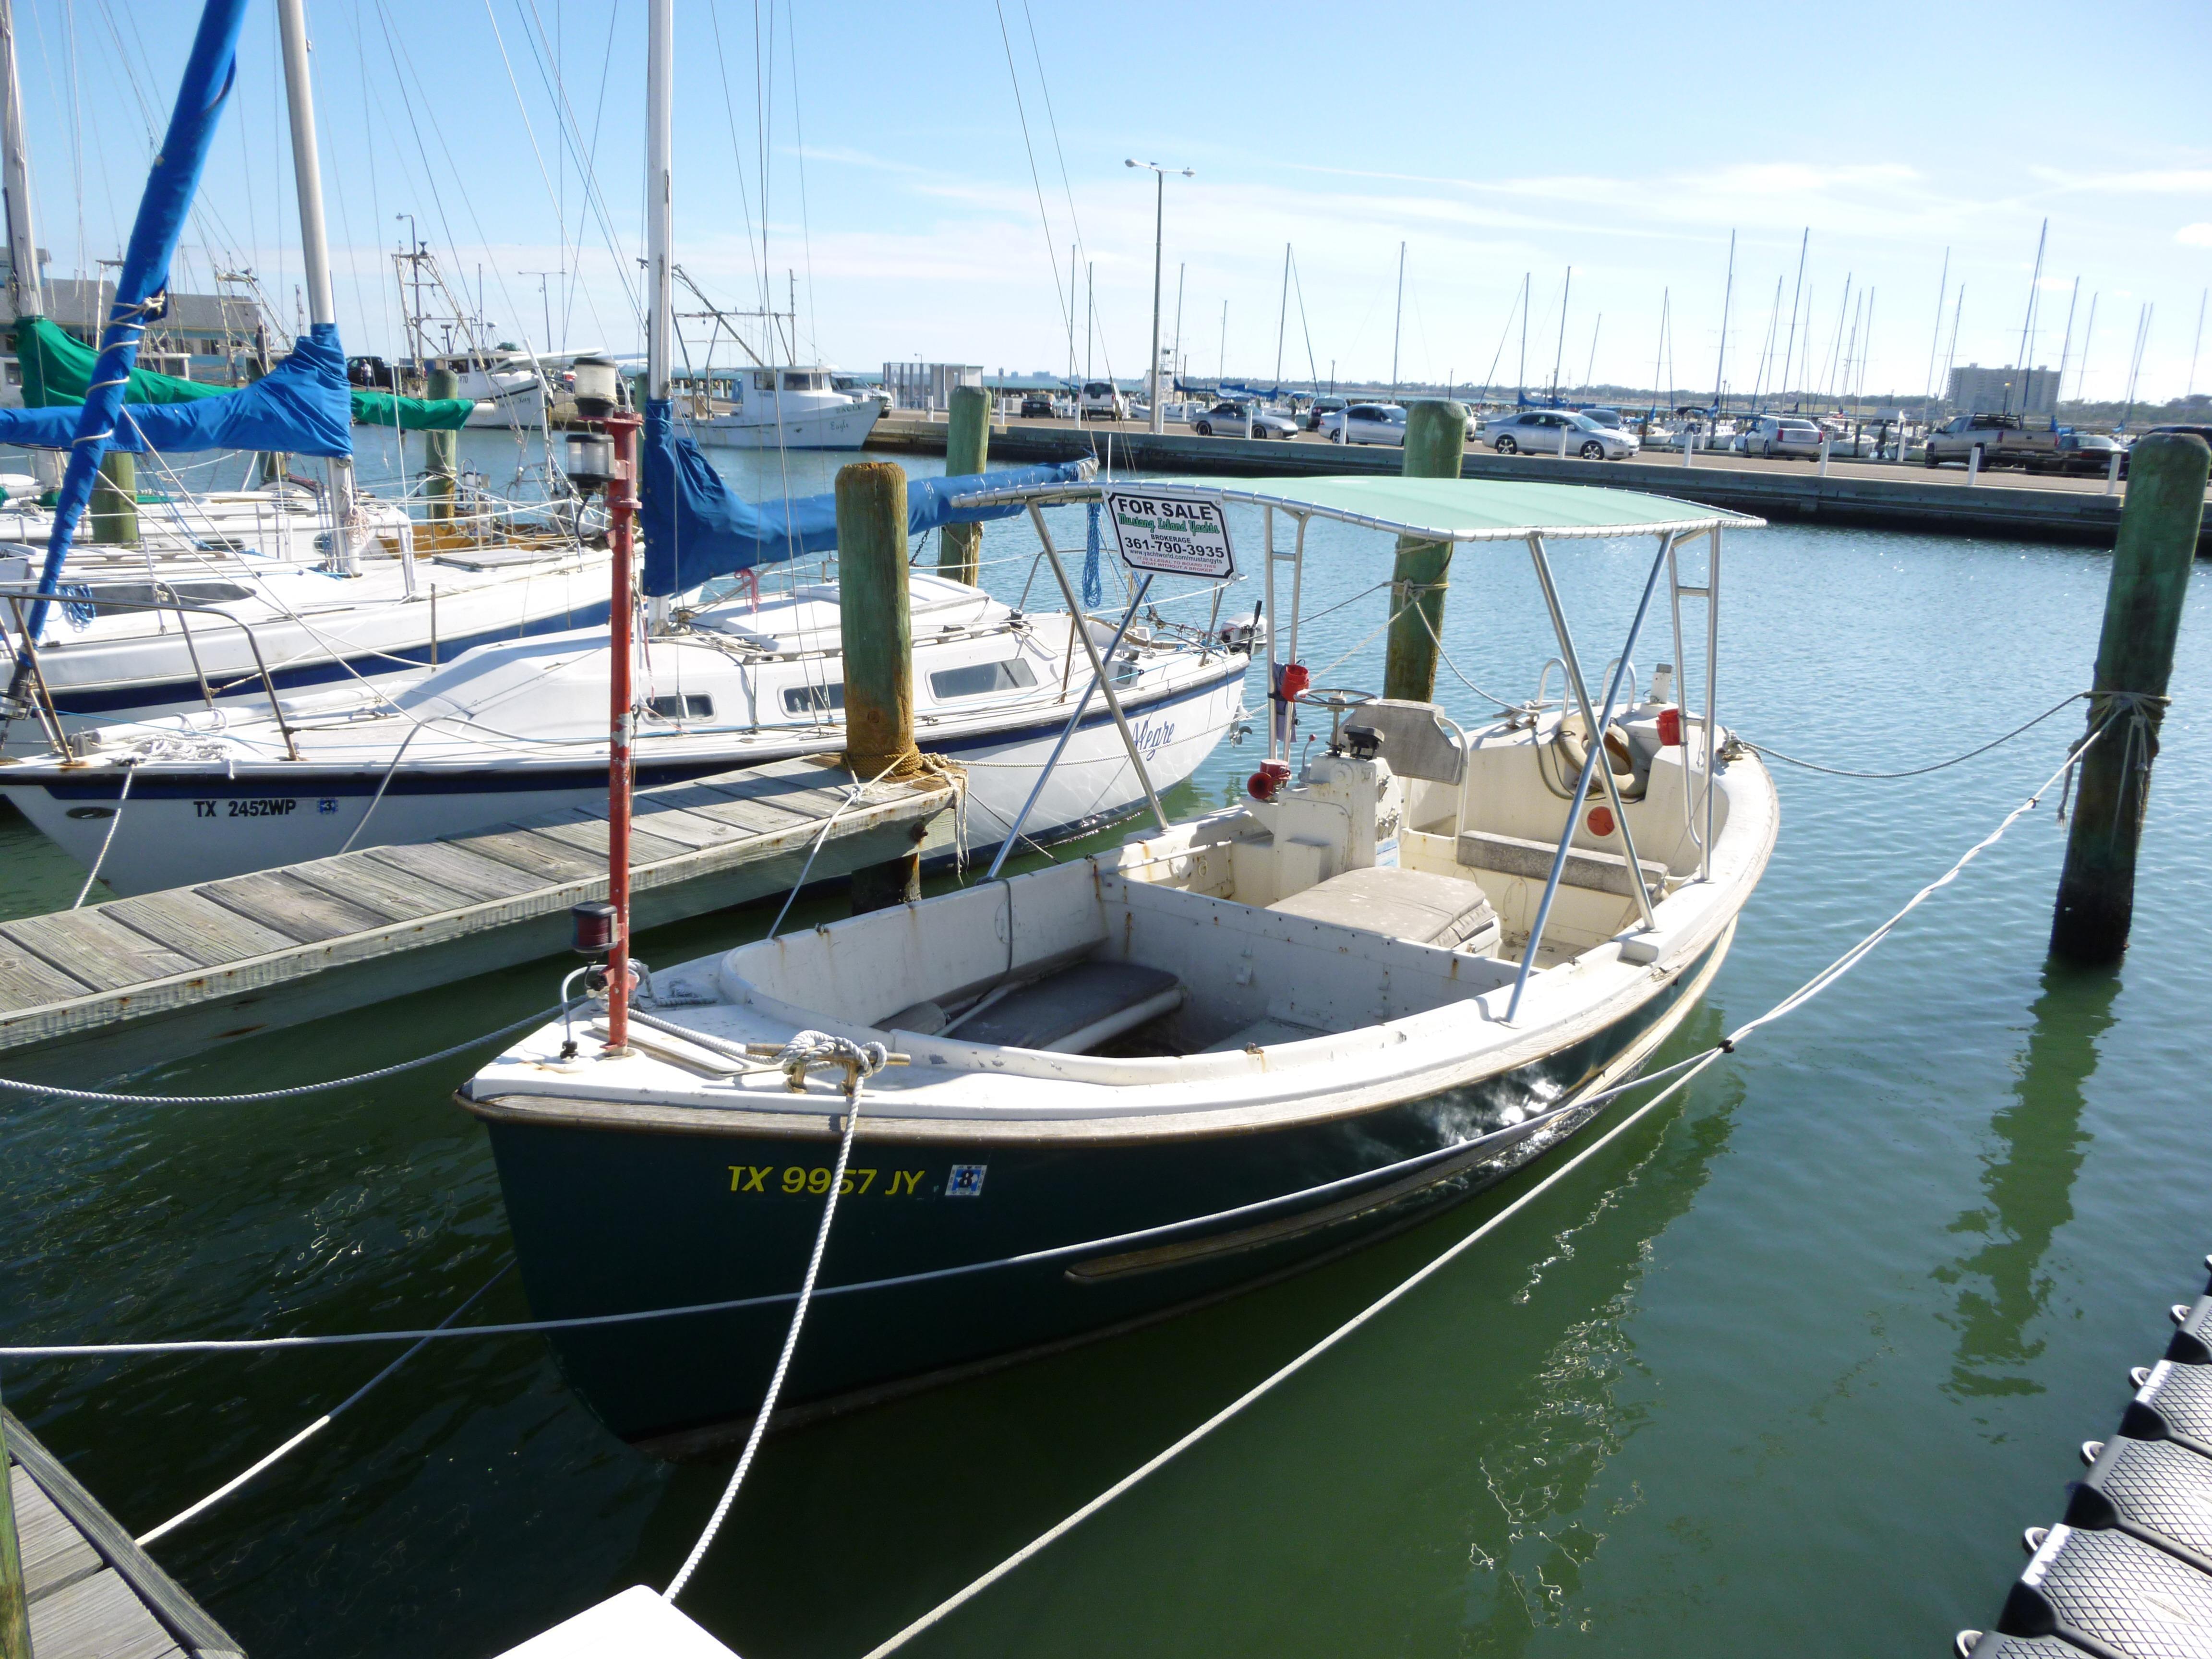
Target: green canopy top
{"type": "Point", "coordinates": [57, 366]}
{"type": "Point", "coordinates": [1439, 509]}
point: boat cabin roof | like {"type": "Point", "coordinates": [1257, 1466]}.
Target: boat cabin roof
{"type": "Point", "coordinates": [1441, 509]}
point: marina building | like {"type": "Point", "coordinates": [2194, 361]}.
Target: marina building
{"type": "Point", "coordinates": [929, 385]}
{"type": "Point", "coordinates": [1978, 390]}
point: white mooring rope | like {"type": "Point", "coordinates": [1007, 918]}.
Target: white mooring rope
{"type": "Point", "coordinates": [860, 1061]}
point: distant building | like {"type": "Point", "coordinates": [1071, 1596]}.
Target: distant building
{"type": "Point", "coordinates": [929, 385]}
{"type": "Point", "coordinates": [202, 336]}
{"type": "Point", "coordinates": [1978, 390]}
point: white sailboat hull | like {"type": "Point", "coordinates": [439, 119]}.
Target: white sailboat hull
{"type": "Point", "coordinates": [846, 426]}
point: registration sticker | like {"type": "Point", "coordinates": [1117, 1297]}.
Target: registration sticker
{"type": "Point", "coordinates": [966, 1180]}
{"type": "Point", "coordinates": [326, 805]}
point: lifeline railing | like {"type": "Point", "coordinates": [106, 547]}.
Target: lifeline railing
{"type": "Point", "coordinates": [14, 594]}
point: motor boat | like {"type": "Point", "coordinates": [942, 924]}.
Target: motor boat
{"type": "Point", "coordinates": [1137, 1081]}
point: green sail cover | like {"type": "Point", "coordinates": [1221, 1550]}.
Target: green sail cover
{"type": "Point", "coordinates": [57, 366]}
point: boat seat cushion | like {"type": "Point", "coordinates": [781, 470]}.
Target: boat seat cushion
{"type": "Point", "coordinates": [1418, 905]}
{"type": "Point", "coordinates": [1587, 867]}
{"type": "Point", "coordinates": [1076, 1008]}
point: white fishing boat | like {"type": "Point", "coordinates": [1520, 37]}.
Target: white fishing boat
{"type": "Point", "coordinates": [1151, 1076]}
{"type": "Point", "coordinates": [780, 407]}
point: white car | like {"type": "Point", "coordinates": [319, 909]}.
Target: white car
{"type": "Point", "coordinates": [1104, 400]}
{"type": "Point", "coordinates": [1780, 436]}
{"type": "Point", "coordinates": [1540, 432]}
{"type": "Point", "coordinates": [1365, 423]}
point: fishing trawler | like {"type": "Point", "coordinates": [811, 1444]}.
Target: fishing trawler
{"type": "Point", "coordinates": [1135, 1081]}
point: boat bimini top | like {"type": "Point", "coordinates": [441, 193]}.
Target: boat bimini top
{"type": "Point", "coordinates": [1436, 509]}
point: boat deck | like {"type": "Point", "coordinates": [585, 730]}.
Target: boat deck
{"type": "Point", "coordinates": [2129, 1569]}
{"type": "Point", "coordinates": [93, 1593]}
{"type": "Point", "coordinates": [182, 969]}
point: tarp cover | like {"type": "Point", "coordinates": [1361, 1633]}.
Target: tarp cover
{"type": "Point", "coordinates": [299, 407]}
{"type": "Point", "coordinates": [696, 529]}
{"type": "Point", "coordinates": [57, 366]}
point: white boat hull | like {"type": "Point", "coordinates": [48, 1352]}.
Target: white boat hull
{"type": "Point", "coordinates": [845, 427]}
{"type": "Point", "coordinates": [180, 827]}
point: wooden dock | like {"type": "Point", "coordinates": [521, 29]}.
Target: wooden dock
{"type": "Point", "coordinates": [93, 1593]}
{"type": "Point", "coordinates": [166, 974]}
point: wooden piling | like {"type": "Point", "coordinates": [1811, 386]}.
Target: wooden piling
{"type": "Point", "coordinates": [15, 1607]}
{"type": "Point", "coordinates": [967, 450]}
{"type": "Point", "coordinates": [441, 451]}
{"type": "Point", "coordinates": [115, 500]}
{"type": "Point", "coordinates": [2151, 562]}
{"type": "Point", "coordinates": [876, 623]}
{"type": "Point", "coordinates": [1435, 443]}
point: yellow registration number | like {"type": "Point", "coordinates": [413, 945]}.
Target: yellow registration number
{"type": "Point", "coordinates": [797, 1178]}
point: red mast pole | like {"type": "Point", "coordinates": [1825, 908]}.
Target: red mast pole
{"type": "Point", "coordinates": [623, 508]}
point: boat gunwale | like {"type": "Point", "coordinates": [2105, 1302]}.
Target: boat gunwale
{"type": "Point", "coordinates": [1335, 1104]}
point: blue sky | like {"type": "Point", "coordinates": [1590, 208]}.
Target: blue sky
{"type": "Point", "coordinates": [1625, 141]}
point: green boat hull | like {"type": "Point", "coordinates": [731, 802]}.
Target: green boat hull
{"type": "Point", "coordinates": [612, 1220]}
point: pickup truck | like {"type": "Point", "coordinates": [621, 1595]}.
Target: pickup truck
{"type": "Point", "coordinates": [2003, 440]}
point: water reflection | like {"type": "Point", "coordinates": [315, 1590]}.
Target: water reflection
{"type": "Point", "coordinates": [1534, 1521]}
{"type": "Point", "coordinates": [2027, 1183]}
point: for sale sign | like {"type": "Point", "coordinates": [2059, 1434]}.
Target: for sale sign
{"type": "Point", "coordinates": [1175, 533]}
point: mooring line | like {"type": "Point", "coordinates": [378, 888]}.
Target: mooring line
{"type": "Point", "coordinates": [316, 1427]}
{"type": "Point", "coordinates": [1762, 751]}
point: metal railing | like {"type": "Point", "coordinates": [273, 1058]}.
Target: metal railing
{"type": "Point", "coordinates": [17, 594]}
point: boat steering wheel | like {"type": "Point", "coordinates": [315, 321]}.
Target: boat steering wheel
{"type": "Point", "coordinates": [1339, 700]}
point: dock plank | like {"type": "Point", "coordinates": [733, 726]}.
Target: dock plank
{"type": "Point", "coordinates": [589, 836]}
{"type": "Point", "coordinates": [97, 1618]}
{"type": "Point", "coordinates": [456, 867]}
{"type": "Point", "coordinates": [28, 981]}
{"type": "Point", "coordinates": [193, 926]}
{"type": "Point", "coordinates": [550, 861]}
{"type": "Point", "coordinates": [281, 901]}
{"type": "Point", "coordinates": [55, 1554]}
{"type": "Point", "coordinates": [96, 948]}
{"type": "Point", "coordinates": [758, 818]}
{"type": "Point", "coordinates": [399, 894]}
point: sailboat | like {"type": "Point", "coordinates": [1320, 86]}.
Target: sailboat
{"type": "Point", "coordinates": [521, 725]}
{"type": "Point", "coordinates": [303, 584]}
{"type": "Point", "coordinates": [1137, 1081]}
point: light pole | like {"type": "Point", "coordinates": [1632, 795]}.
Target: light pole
{"type": "Point", "coordinates": [1159, 227]}
{"type": "Point", "coordinates": [545, 300]}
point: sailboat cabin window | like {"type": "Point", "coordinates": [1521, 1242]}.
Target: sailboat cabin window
{"type": "Point", "coordinates": [692, 706]}
{"type": "Point", "coordinates": [763, 380]}
{"type": "Point", "coordinates": [799, 380]}
{"type": "Point", "coordinates": [814, 699]}
{"type": "Point", "coordinates": [977, 679]}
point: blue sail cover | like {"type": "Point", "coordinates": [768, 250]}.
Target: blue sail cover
{"type": "Point", "coordinates": [696, 530]}
{"type": "Point", "coordinates": [304, 406]}
{"type": "Point", "coordinates": [144, 279]}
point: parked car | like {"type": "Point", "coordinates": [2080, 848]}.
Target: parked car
{"type": "Point", "coordinates": [2091, 452]}
{"type": "Point", "coordinates": [1325, 406]}
{"type": "Point", "coordinates": [2003, 440]}
{"type": "Point", "coordinates": [370, 372]}
{"type": "Point", "coordinates": [1540, 432]}
{"type": "Point", "coordinates": [2204, 432]}
{"type": "Point", "coordinates": [1227, 419]}
{"type": "Point", "coordinates": [1105, 400]}
{"type": "Point", "coordinates": [1365, 423]}
{"type": "Point", "coordinates": [1038, 406]}
{"type": "Point", "coordinates": [1781, 437]}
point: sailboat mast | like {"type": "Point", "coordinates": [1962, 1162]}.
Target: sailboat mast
{"type": "Point", "coordinates": [1283, 316]}
{"type": "Point", "coordinates": [1566, 289]}
{"type": "Point", "coordinates": [2027, 323]}
{"type": "Point", "coordinates": [23, 290]}
{"type": "Point", "coordinates": [1797, 294]}
{"type": "Point", "coordinates": [314, 247]}
{"type": "Point", "coordinates": [659, 196]}
{"type": "Point", "coordinates": [1398, 323]}
{"type": "Point", "coordinates": [1728, 298]}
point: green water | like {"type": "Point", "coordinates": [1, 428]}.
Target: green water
{"type": "Point", "coordinates": [1788, 1364]}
